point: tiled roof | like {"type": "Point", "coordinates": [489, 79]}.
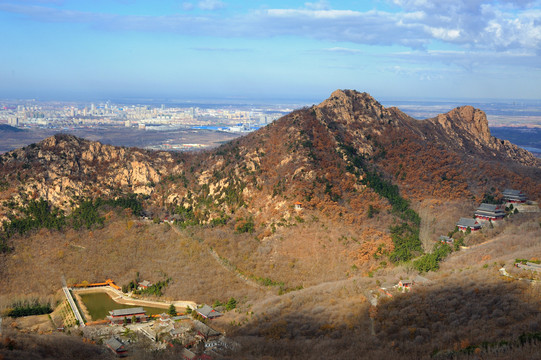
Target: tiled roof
{"type": "Point", "coordinates": [208, 311]}
{"type": "Point", "coordinates": [114, 344]}
{"type": "Point", "coordinates": [127, 312]}
{"type": "Point", "coordinates": [467, 222]}
{"type": "Point", "coordinates": [489, 207]}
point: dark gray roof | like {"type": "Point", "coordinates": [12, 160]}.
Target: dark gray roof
{"type": "Point", "coordinates": [205, 329]}
{"type": "Point", "coordinates": [490, 210]}
{"type": "Point", "coordinates": [512, 192]}
{"type": "Point", "coordinates": [127, 312]}
{"type": "Point", "coordinates": [446, 238]}
{"type": "Point", "coordinates": [114, 344]}
{"type": "Point", "coordinates": [489, 207]}
{"type": "Point", "coordinates": [467, 222]}
{"type": "Point", "coordinates": [208, 311]}
{"type": "Point", "coordinates": [490, 213]}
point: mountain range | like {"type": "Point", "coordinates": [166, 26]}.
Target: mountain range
{"type": "Point", "coordinates": [311, 155]}
{"type": "Point", "coordinates": [325, 197]}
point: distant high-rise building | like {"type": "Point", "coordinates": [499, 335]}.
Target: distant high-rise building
{"type": "Point", "coordinates": [14, 121]}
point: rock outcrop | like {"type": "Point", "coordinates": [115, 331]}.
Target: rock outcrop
{"type": "Point", "coordinates": [63, 167]}
{"type": "Point", "coordinates": [466, 129]}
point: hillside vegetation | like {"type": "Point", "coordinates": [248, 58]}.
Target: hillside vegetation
{"type": "Point", "coordinates": [303, 222]}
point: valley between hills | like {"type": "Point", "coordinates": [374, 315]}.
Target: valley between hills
{"type": "Point", "coordinates": [308, 224]}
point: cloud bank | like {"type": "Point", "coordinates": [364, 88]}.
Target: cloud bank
{"type": "Point", "coordinates": [472, 24]}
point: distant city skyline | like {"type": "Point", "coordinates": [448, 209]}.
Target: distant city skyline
{"type": "Point", "coordinates": [275, 50]}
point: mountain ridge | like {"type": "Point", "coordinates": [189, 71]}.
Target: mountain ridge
{"type": "Point", "coordinates": [307, 146]}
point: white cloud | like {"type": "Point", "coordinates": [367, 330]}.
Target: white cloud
{"type": "Point", "coordinates": [469, 24]}
{"type": "Point", "coordinates": [343, 50]}
{"type": "Point", "coordinates": [219, 49]}
{"type": "Point", "coordinates": [320, 5]}
{"type": "Point", "coordinates": [506, 32]}
{"type": "Point", "coordinates": [444, 34]}
{"type": "Point", "coordinates": [471, 61]}
{"type": "Point", "coordinates": [317, 14]}
{"type": "Point", "coordinates": [187, 6]}
{"type": "Point", "coordinates": [210, 4]}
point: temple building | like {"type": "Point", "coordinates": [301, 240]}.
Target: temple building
{"type": "Point", "coordinates": [514, 196]}
{"type": "Point", "coordinates": [488, 212]}
{"type": "Point", "coordinates": [465, 223]}
{"type": "Point", "coordinates": [118, 316]}
{"type": "Point", "coordinates": [208, 312]}
{"type": "Point", "coordinates": [447, 240]}
{"type": "Point", "coordinates": [116, 346]}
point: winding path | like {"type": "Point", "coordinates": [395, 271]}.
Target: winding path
{"type": "Point", "coordinates": [504, 272]}
{"type": "Point", "coordinates": [226, 265]}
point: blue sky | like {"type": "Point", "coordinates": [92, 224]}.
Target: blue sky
{"type": "Point", "coordinates": [74, 49]}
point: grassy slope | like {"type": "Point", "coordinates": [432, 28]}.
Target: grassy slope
{"type": "Point", "coordinates": [331, 314]}
{"type": "Point", "coordinates": [466, 303]}
{"type": "Point", "coordinates": [120, 249]}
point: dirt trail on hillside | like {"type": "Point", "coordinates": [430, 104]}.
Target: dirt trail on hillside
{"type": "Point", "coordinates": [425, 229]}
{"type": "Point", "coordinates": [226, 265]}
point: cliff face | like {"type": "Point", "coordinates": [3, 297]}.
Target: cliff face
{"type": "Point", "coordinates": [466, 129]}
{"type": "Point", "coordinates": [63, 167]}
{"type": "Point", "coordinates": [466, 121]}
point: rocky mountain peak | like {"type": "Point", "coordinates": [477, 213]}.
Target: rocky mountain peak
{"type": "Point", "coordinates": [351, 105]}
{"type": "Point", "coordinates": [465, 129]}
{"type": "Point", "coordinates": [60, 140]}
{"type": "Point", "coordinates": [345, 97]}
{"type": "Point", "coordinates": [466, 119]}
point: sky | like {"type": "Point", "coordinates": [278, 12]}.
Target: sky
{"type": "Point", "coordinates": [298, 50]}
